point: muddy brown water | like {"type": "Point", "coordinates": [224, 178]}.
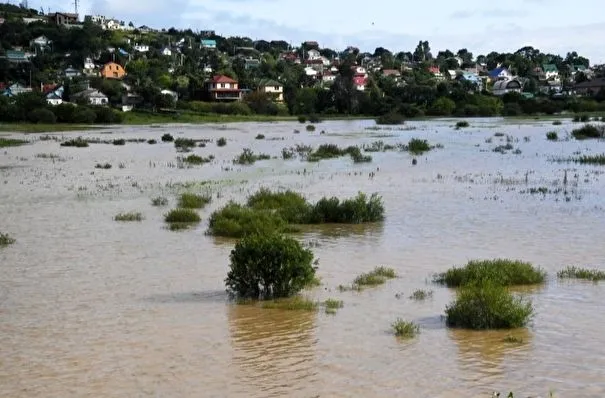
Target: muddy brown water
{"type": "Point", "coordinates": [90, 307]}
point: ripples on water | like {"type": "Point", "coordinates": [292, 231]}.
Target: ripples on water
{"type": "Point", "coordinates": [91, 307]}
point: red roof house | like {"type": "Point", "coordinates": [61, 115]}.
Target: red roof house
{"type": "Point", "coordinates": [223, 88]}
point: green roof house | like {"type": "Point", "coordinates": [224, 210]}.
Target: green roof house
{"type": "Point", "coordinates": [550, 71]}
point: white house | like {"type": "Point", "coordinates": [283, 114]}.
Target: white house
{"type": "Point", "coordinates": [167, 52]}
{"type": "Point", "coordinates": [550, 72]}
{"type": "Point", "coordinates": [142, 48]}
{"type": "Point", "coordinates": [53, 99]}
{"type": "Point", "coordinates": [328, 77]}
{"type": "Point", "coordinates": [92, 97]}
{"type": "Point", "coordinates": [309, 71]}
{"type": "Point", "coordinates": [359, 70]}
{"type": "Point", "coordinates": [500, 74]}
{"type": "Point", "coordinates": [313, 55]}
{"type": "Point", "coordinates": [171, 93]}
{"type": "Point", "coordinates": [40, 41]}
{"type": "Point", "coordinates": [273, 88]}
{"type": "Point", "coordinates": [502, 87]}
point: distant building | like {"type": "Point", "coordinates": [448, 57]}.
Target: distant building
{"type": "Point", "coordinates": [167, 52]}
{"type": "Point", "coordinates": [111, 70]}
{"type": "Point", "coordinates": [16, 89]}
{"type": "Point", "coordinates": [91, 97]}
{"type": "Point", "coordinates": [502, 87]}
{"type": "Point", "coordinates": [223, 88]}
{"type": "Point", "coordinates": [273, 88]}
{"type": "Point", "coordinates": [70, 73]}
{"type": "Point", "coordinates": [210, 44]}
{"type": "Point", "coordinates": [63, 18]}
{"type": "Point", "coordinates": [500, 74]}
{"type": "Point", "coordinates": [590, 87]}
{"type": "Point", "coordinates": [16, 57]}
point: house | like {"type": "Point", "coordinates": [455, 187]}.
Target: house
{"type": "Point", "coordinates": [313, 55]}
{"type": "Point", "coordinates": [500, 74]}
{"type": "Point", "coordinates": [142, 48]}
{"type": "Point", "coordinates": [550, 72]}
{"type": "Point", "coordinates": [145, 29]}
{"type": "Point", "coordinates": [53, 99]}
{"type": "Point", "coordinates": [167, 52]}
{"type": "Point", "coordinates": [40, 42]}
{"type": "Point", "coordinates": [27, 21]}
{"type": "Point", "coordinates": [311, 72]}
{"type": "Point", "coordinates": [290, 57]}
{"type": "Point", "coordinates": [392, 73]}
{"type": "Point", "coordinates": [16, 56]}
{"type": "Point", "coordinates": [223, 88]}
{"type": "Point", "coordinates": [89, 66]}
{"type": "Point", "coordinates": [316, 64]}
{"type": "Point", "coordinates": [472, 78]}
{"type": "Point", "coordinates": [272, 87]}
{"type": "Point", "coordinates": [210, 44]}
{"type": "Point", "coordinates": [251, 63]}
{"type": "Point", "coordinates": [551, 86]}
{"type": "Point", "coordinates": [70, 73]}
{"type": "Point", "coordinates": [171, 93]}
{"type": "Point", "coordinates": [63, 18]}
{"type": "Point", "coordinates": [16, 89]}
{"type": "Point", "coordinates": [434, 70]}
{"type": "Point", "coordinates": [590, 87]}
{"type": "Point", "coordinates": [452, 74]}
{"type": "Point", "coordinates": [360, 82]}
{"type": "Point", "coordinates": [311, 44]}
{"type": "Point", "coordinates": [502, 87]}
{"type": "Point", "coordinates": [91, 97]}
{"type": "Point", "coordinates": [328, 77]}
{"type": "Point", "coordinates": [111, 70]}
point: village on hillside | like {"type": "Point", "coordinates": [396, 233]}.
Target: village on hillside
{"type": "Point", "coordinates": [102, 61]}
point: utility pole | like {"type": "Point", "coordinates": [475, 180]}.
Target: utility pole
{"type": "Point", "coordinates": [76, 6]}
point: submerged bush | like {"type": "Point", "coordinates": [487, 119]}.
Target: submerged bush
{"type": "Point", "coordinates": [167, 138]}
{"type": "Point", "coordinates": [499, 271]}
{"type": "Point", "coordinates": [359, 209]}
{"type": "Point", "coordinates": [392, 118]}
{"type": "Point", "coordinates": [159, 201]}
{"type": "Point", "coordinates": [119, 141]}
{"type": "Point", "coordinates": [197, 160]}
{"type": "Point", "coordinates": [552, 136]}
{"type": "Point", "coordinates": [557, 123]}
{"type": "Point", "coordinates": [289, 205]}
{"type": "Point", "coordinates": [302, 119]}
{"type": "Point", "coordinates": [221, 141]}
{"type": "Point", "coordinates": [77, 142]}
{"type": "Point", "coordinates": [260, 137]}
{"type": "Point", "coordinates": [405, 329]}
{"type": "Point", "coordinates": [588, 131]}
{"type": "Point", "coordinates": [248, 157]}
{"type": "Point", "coordinates": [132, 216]}
{"type": "Point", "coordinates": [184, 143]}
{"type": "Point", "coordinates": [105, 166]}
{"type": "Point", "coordinates": [236, 221]}
{"type": "Point", "coordinates": [8, 142]}
{"type": "Point", "coordinates": [418, 146]}
{"type": "Point", "coordinates": [193, 201]}
{"type": "Point", "coordinates": [295, 303]}
{"type": "Point", "coordinates": [590, 159]}
{"type": "Point", "coordinates": [6, 239]}
{"type": "Point", "coordinates": [582, 273]}
{"type": "Point", "coordinates": [488, 306]}
{"type": "Point", "coordinates": [265, 266]}
{"type": "Point", "coordinates": [420, 294]}
{"type": "Point", "coordinates": [462, 124]}
{"type": "Point", "coordinates": [182, 216]}
{"type": "Point", "coordinates": [378, 276]}
{"type": "Point", "coordinates": [310, 127]}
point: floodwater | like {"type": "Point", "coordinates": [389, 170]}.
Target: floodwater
{"type": "Point", "coordinates": [90, 307]}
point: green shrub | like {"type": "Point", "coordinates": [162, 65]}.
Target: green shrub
{"type": "Point", "coordinates": [6, 239]}
{"type": "Point", "coordinates": [310, 127]}
{"type": "Point", "coordinates": [260, 137]}
{"type": "Point", "coordinates": [333, 304]}
{"type": "Point", "coordinates": [132, 216]}
{"type": "Point", "coordinates": [500, 271]}
{"type": "Point", "coordinates": [378, 276]}
{"type": "Point", "coordinates": [106, 115]}
{"type": "Point", "coordinates": [462, 124]}
{"type": "Point", "coordinates": [289, 205]}
{"type": "Point", "coordinates": [221, 141]}
{"type": "Point", "coordinates": [488, 306]}
{"type": "Point", "coordinates": [184, 143]}
{"type": "Point", "coordinates": [248, 157]}
{"type": "Point", "coordinates": [584, 118]}
{"type": "Point", "coordinates": [77, 142]}
{"type": "Point", "coordinates": [359, 209]}
{"type": "Point", "coordinates": [588, 131]}
{"type": "Point", "coordinates": [9, 142]}
{"type": "Point", "coordinates": [105, 166]}
{"type": "Point", "coordinates": [582, 273]}
{"type": "Point", "coordinates": [182, 216]}
{"type": "Point", "coordinates": [405, 329]}
{"type": "Point", "coordinates": [120, 141]}
{"type": "Point", "coordinates": [197, 160]}
{"type": "Point", "coordinates": [552, 136]}
{"type": "Point", "coordinates": [265, 266]}
{"type": "Point", "coordinates": [590, 159]}
{"type": "Point", "coordinates": [302, 119]}
{"type": "Point", "coordinates": [418, 146]}
{"type": "Point", "coordinates": [314, 119]}
{"type": "Point", "coordinates": [84, 116]}
{"type": "Point", "coordinates": [193, 201]}
{"type": "Point", "coordinates": [421, 294]}
{"type": "Point", "coordinates": [326, 151]}
{"type": "Point", "coordinates": [42, 115]}
{"type": "Point", "coordinates": [167, 138]}
{"type": "Point", "coordinates": [236, 221]}
{"type": "Point", "coordinates": [295, 303]}
{"type": "Point", "coordinates": [357, 156]}
{"type": "Point", "coordinates": [159, 201]}
{"type": "Point", "coordinates": [557, 123]}
{"type": "Point", "coordinates": [392, 118]}
{"type": "Point", "coordinates": [152, 142]}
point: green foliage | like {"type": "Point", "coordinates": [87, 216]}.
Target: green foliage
{"type": "Point", "coordinates": [105, 166]}
{"type": "Point", "coordinates": [221, 141]}
{"type": "Point", "coordinates": [197, 160]}
{"type": "Point", "coordinates": [418, 146]}
{"type": "Point", "coordinates": [313, 118]}
{"type": "Point", "coordinates": [132, 216]}
{"type": "Point", "coordinates": [582, 273]}
{"type": "Point", "coordinates": [590, 159]}
{"type": "Point", "coordinates": [182, 216]}
{"type": "Point", "coordinates": [499, 271]}
{"type": "Point", "coordinates": [265, 266]}
{"type": "Point", "coordinates": [302, 119]}
{"type": "Point", "coordinates": [390, 119]}
{"type": "Point", "coordinates": [420, 294]}
{"type": "Point", "coordinates": [248, 157]}
{"type": "Point", "coordinates": [557, 123]}
{"type": "Point", "coordinates": [10, 142]}
{"type": "Point", "coordinates": [159, 201]}
{"type": "Point", "coordinates": [167, 138]}
{"type": "Point", "coordinates": [360, 209]}
{"type": "Point", "coordinates": [260, 137]}
{"type": "Point", "coordinates": [405, 329]}
{"type": "Point", "coordinates": [193, 201]}
{"type": "Point", "coordinates": [462, 124]}
{"type": "Point", "coordinates": [289, 205]}
{"type": "Point", "coordinates": [236, 221]}
{"type": "Point", "coordinates": [184, 143]}
{"type": "Point", "coordinates": [119, 141]}
{"type": "Point", "coordinates": [552, 136]}
{"type": "Point", "coordinates": [77, 142]}
{"type": "Point", "coordinates": [152, 142]}
{"type": "Point", "coordinates": [443, 106]}
{"type": "Point", "coordinates": [376, 277]}
{"type": "Point", "coordinates": [329, 151]}
{"type": "Point", "coordinates": [84, 116]}
{"type": "Point", "coordinates": [106, 115]}
{"type": "Point", "coordinates": [295, 303]}
{"type": "Point", "coordinates": [310, 127]}
{"type": "Point", "coordinates": [6, 239]}
{"type": "Point", "coordinates": [488, 306]}
{"type": "Point", "coordinates": [589, 131]}
{"type": "Point", "coordinates": [333, 304]}
{"type": "Point", "coordinates": [42, 115]}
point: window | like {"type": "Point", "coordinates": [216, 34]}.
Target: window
{"type": "Point", "coordinates": [115, 74]}
{"type": "Point", "coordinates": [276, 88]}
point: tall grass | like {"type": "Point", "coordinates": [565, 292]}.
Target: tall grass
{"type": "Point", "coordinates": [77, 142]}
{"type": "Point", "coordinates": [182, 216]}
{"type": "Point", "coordinates": [405, 329]}
{"type": "Point", "coordinates": [552, 136]}
{"type": "Point", "coordinates": [10, 142]}
{"type": "Point", "coordinates": [588, 131]}
{"type": "Point", "coordinates": [500, 271]}
{"type": "Point", "coordinates": [221, 141]}
{"type": "Point", "coordinates": [193, 201]}
{"type": "Point", "coordinates": [167, 138]}
{"type": "Point", "coordinates": [290, 205]}
{"type": "Point", "coordinates": [6, 239]}
{"type": "Point", "coordinates": [295, 303]}
{"type": "Point", "coordinates": [420, 294]}
{"type": "Point", "coordinates": [582, 273]}
{"type": "Point", "coordinates": [418, 146]}
{"type": "Point", "coordinates": [462, 124]}
{"type": "Point", "coordinates": [197, 160]}
{"type": "Point", "coordinates": [184, 143]}
{"type": "Point", "coordinates": [131, 216]}
{"type": "Point", "coordinates": [359, 209]}
{"type": "Point", "coordinates": [488, 306]}
{"type": "Point", "coordinates": [590, 159]}
{"type": "Point", "coordinates": [377, 276]}
{"type": "Point", "coordinates": [248, 157]}
{"type": "Point", "coordinates": [159, 201]}
{"type": "Point", "coordinates": [237, 221]}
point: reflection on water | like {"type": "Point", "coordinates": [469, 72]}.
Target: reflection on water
{"type": "Point", "coordinates": [274, 350]}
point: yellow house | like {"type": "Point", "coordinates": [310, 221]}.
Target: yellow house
{"type": "Point", "coordinates": [111, 70]}
{"type": "Point", "coordinates": [272, 87]}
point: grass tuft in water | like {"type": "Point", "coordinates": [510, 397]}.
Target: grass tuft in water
{"type": "Point", "coordinates": [512, 339]}
{"type": "Point", "coordinates": [420, 294]}
{"type": "Point", "coordinates": [119, 141]}
{"type": "Point", "coordinates": [488, 306]}
{"type": "Point", "coordinates": [221, 141]}
{"type": "Point", "coordinates": [237, 221]}
{"type": "Point", "coordinates": [552, 136]}
{"type": "Point", "coordinates": [105, 166]}
{"type": "Point", "coordinates": [248, 157]}
{"type": "Point", "coordinates": [333, 304]}
{"type": "Point", "coordinates": [310, 127]}
{"type": "Point", "coordinates": [193, 201]}
{"type": "Point", "coordinates": [582, 273]}
{"type": "Point", "coordinates": [590, 159]}
{"type": "Point", "coordinates": [130, 216]}
{"type": "Point", "coordinates": [500, 271]}
{"type": "Point", "coordinates": [6, 239]}
{"type": "Point", "coordinates": [182, 216]}
{"type": "Point", "coordinates": [260, 137]}
{"type": "Point", "coordinates": [197, 160]}
{"type": "Point", "coordinates": [418, 146]}
{"type": "Point", "coordinates": [167, 138]}
{"type": "Point", "coordinates": [184, 143]}
{"type": "Point", "coordinates": [376, 277]}
{"type": "Point", "coordinates": [405, 329]}
{"type": "Point", "coordinates": [10, 142]}
{"type": "Point", "coordinates": [291, 206]}
{"type": "Point", "coordinates": [462, 124]}
{"type": "Point", "coordinates": [159, 201]}
{"type": "Point", "coordinates": [588, 131]}
{"type": "Point", "coordinates": [76, 142]}
{"type": "Point", "coordinates": [295, 303]}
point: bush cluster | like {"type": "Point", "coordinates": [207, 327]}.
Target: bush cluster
{"type": "Point", "coordinates": [501, 271]}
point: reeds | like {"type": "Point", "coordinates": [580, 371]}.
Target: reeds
{"type": "Point", "coordinates": [130, 216]}
{"type": "Point", "coordinates": [405, 329]}
{"type": "Point", "coordinates": [504, 272]}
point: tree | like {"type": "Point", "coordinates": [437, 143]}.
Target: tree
{"type": "Point", "coordinates": [269, 266]}
{"type": "Point", "coordinates": [443, 106]}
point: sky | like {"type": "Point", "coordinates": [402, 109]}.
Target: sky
{"type": "Point", "coordinates": [556, 26]}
